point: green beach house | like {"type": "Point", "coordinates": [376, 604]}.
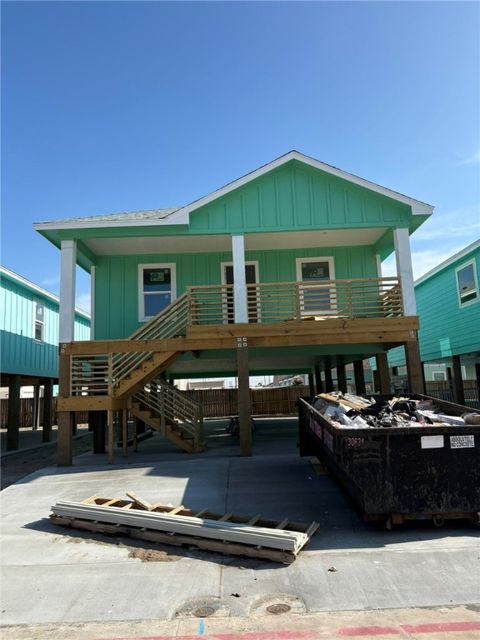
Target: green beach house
{"type": "Point", "coordinates": [277, 271]}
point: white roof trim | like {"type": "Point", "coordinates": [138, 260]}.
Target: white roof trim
{"type": "Point", "coordinates": [418, 207]}
{"type": "Point", "coordinates": [182, 215]}
{"type": "Point", "coordinates": [449, 261]}
{"type": "Point", "coordinates": [36, 289]}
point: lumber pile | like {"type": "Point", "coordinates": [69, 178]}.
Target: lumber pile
{"type": "Point", "coordinates": [227, 533]}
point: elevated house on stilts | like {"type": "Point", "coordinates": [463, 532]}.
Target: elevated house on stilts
{"type": "Point", "coordinates": [278, 271]}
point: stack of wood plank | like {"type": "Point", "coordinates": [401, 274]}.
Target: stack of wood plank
{"type": "Point", "coordinates": [254, 537]}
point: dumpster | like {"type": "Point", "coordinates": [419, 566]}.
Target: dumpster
{"type": "Point", "coordinates": [393, 474]}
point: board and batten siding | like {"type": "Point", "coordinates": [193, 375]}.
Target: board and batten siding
{"type": "Point", "coordinates": [20, 353]}
{"type": "Point", "coordinates": [295, 197]}
{"type": "Point", "coordinates": [446, 328]}
{"type": "Point", "coordinates": [116, 278]}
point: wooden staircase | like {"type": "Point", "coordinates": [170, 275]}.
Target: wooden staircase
{"type": "Point", "coordinates": [144, 373]}
{"type": "Point", "coordinates": [169, 412]}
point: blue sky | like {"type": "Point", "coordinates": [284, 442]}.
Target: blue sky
{"type": "Point", "coordinates": [118, 106]}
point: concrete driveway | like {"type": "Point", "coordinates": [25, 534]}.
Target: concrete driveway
{"type": "Point", "coordinates": [55, 575]}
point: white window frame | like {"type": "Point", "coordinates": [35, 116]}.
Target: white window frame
{"type": "Point", "coordinates": [472, 263]}
{"type": "Point", "coordinates": [141, 300]}
{"type": "Point", "coordinates": [331, 269]}
{"type": "Point", "coordinates": [439, 373]}
{"type": "Point", "coordinates": [40, 322]}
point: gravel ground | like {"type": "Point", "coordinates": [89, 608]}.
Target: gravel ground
{"type": "Point", "coordinates": [18, 465]}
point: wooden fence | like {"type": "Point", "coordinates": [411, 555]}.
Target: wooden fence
{"type": "Point", "coordinates": [219, 403]}
{"type": "Point", "coordinates": [26, 413]}
{"type": "Point", "coordinates": [441, 389]}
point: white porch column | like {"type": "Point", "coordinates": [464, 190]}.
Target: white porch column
{"type": "Point", "coordinates": [68, 261]}
{"type": "Point", "coordinates": [379, 265]}
{"type": "Point", "coordinates": [403, 258]}
{"type": "Point", "coordinates": [239, 280]}
{"type": "Point", "coordinates": [92, 302]}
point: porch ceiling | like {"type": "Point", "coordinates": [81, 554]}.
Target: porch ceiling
{"type": "Point", "coordinates": [222, 243]}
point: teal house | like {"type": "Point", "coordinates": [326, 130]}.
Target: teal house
{"type": "Point", "coordinates": [29, 325]}
{"type": "Point", "coordinates": [448, 304]}
{"type": "Point", "coordinates": [279, 271]}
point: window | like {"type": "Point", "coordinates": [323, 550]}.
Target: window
{"type": "Point", "coordinates": [38, 321]}
{"type": "Point", "coordinates": [317, 299]}
{"type": "Point", "coordinates": [156, 288]}
{"type": "Point", "coordinates": [439, 376]}
{"type": "Point", "coordinates": [467, 285]}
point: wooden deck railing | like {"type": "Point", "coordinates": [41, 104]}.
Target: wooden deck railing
{"type": "Point", "coordinates": [214, 305]}
{"type": "Point", "coordinates": [279, 301]}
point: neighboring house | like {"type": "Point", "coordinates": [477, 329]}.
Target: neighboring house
{"type": "Point", "coordinates": [29, 325]}
{"type": "Point", "coordinates": [448, 305]}
{"type": "Point", "coordinates": [276, 272]}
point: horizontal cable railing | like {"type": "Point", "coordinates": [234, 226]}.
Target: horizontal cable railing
{"type": "Point", "coordinates": [279, 301]}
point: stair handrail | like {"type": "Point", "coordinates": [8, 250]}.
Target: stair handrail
{"type": "Point", "coordinates": [166, 400]}
{"type": "Point", "coordinates": [170, 322]}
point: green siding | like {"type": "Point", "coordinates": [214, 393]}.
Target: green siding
{"type": "Point", "coordinates": [295, 197]}
{"type": "Point", "coordinates": [116, 278]}
{"type": "Point", "coordinates": [20, 353]}
{"type": "Point", "coordinates": [446, 329]}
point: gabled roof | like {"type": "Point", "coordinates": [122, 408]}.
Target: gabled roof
{"type": "Point", "coordinates": [181, 215]}
{"type": "Point", "coordinates": [463, 253]}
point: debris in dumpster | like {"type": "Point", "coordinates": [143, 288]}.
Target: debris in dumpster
{"type": "Point", "coordinates": [353, 412]}
{"type": "Point", "coordinates": [225, 533]}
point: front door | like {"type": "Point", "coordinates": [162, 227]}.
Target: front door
{"type": "Point", "coordinates": [251, 269]}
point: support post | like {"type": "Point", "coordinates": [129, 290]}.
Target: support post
{"type": "Point", "coordinates": [458, 391]}
{"type": "Point", "coordinates": [311, 384]}
{"type": "Point", "coordinates": [239, 280]}
{"type": "Point", "coordinates": [383, 373]}
{"type": "Point", "coordinates": [98, 421]}
{"type": "Point", "coordinates": [36, 406]}
{"type": "Point", "coordinates": [47, 410]}
{"type": "Point", "coordinates": [359, 374]}
{"type": "Point", "coordinates": [13, 425]}
{"type": "Point", "coordinates": [244, 404]}
{"type": "Point", "coordinates": [403, 259]}
{"type": "Point", "coordinates": [414, 367]}
{"type": "Point", "coordinates": [342, 378]}
{"type": "Point", "coordinates": [124, 433]}
{"type": "Point", "coordinates": [64, 438]}
{"type": "Point", "coordinates": [65, 431]}
{"type": "Point", "coordinates": [328, 380]}
{"type": "Point", "coordinates": [477, 377]}
{"type": "Point", "coordinates": [318, 379]}
{"type": "Point", "coordinates": [110, 435]}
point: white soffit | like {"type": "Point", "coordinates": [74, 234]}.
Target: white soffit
{"type": "Point", "coordinates": [254, 241]}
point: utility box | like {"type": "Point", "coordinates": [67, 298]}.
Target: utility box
{"type": "Point", "coordinates": [394, 473]}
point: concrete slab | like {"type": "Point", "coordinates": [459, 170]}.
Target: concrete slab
{"type": "Point", "coordinates": [54, 575]}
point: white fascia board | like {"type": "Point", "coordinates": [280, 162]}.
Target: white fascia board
{"type": "Point", "coordinates": [36, 289]}
{"type": "Point", "coordinates": [418, 207]}
{"type": "Point", "coordinates": [446, 263]}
